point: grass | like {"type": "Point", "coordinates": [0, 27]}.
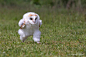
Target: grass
{"type": "Point", "coordinates": [63, 34]}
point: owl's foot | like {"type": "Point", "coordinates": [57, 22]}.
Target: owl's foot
{"type": "Point", "coordinates": [38, 42]}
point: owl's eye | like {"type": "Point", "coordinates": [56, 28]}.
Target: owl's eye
{"type": "Point", "coordinates": [35, 18]}
{"type": "Point", "coordinates": [31, 18]}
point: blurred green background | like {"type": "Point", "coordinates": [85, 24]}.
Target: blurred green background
{"type": "Point", "coordinates": [54, 4]}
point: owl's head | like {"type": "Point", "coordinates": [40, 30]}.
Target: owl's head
{"type": "Point", "coordinates": [31, 17]}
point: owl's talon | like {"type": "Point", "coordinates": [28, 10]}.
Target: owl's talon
{"type": "Point", "coordinates": [38, 42]}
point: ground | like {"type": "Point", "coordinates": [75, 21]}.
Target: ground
{"type": "Point", "coordinates": [63, 34]}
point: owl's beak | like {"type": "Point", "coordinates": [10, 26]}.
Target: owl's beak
{"type": "Point", "coordinates": [33, 21]}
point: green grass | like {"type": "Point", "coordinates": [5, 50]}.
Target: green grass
{"type": "Point", "coordinates": [63, 34]}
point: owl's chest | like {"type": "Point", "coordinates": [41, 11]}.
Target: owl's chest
{"type": "Point", "coordinates": [31, 27]}
{"type": "Point", "coordinates": [29, 30]}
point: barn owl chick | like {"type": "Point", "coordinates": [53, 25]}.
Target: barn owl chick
{"type": "Point", "coordinates": [29, 25]}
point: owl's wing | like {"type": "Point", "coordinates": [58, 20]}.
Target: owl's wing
{"type": "Point", "coordinates": [40, 23]}
{"type": "Point", "coordinates": [21, 23]}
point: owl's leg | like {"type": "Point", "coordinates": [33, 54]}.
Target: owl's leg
{"type": "Point", "coordinates": [36, 36]}
{"type": "Point", "coordinates": [22, 35]}
{"type": "Point", "coordinates": [23, 38]}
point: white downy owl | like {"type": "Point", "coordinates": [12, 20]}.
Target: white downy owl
{"type": "Point", "coordinates": [29, 25]}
